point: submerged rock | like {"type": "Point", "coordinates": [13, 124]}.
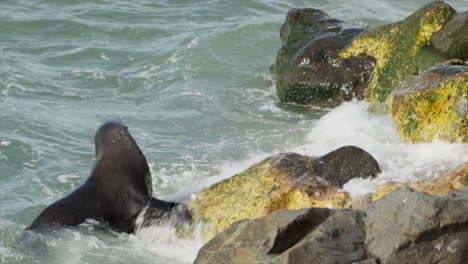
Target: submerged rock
{"type": "Point", "coordinates": [433, 105]}
{"type": "Point", "coordinates": [307, 68]}
{"type": "Point", "coordinates": [401, 49]}
{"type": "Point", "coordinates": [452, 39]}
{"type": "Point", "coordinates": [284, 181]}
{"type": "Point", "coordinates": [452, 181]}
{"type": "Point", "coordinates": [403, 227]}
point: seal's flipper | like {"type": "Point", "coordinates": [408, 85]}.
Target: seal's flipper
{"type": "Point", "coordinates": [159, 212]}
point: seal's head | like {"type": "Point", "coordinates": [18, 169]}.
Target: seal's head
{"type": "Point", "coordinates": [112, 132]}
{"type": "Point", "coordinates": [114, 144]}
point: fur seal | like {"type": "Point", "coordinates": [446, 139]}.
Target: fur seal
{"type": "Point", "coordinates": [117, 190]}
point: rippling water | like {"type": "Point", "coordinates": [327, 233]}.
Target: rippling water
{"type": "Point", "coordinates": [191, 81]}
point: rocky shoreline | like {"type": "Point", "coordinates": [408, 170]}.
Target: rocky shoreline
{"type": "Point", "coordinates": [403, 227]}
{"type": "Point", "coordinates": [289, 208]}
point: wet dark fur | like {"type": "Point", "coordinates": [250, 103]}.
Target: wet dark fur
{"type": "Point", "coordinates": [117, 190]}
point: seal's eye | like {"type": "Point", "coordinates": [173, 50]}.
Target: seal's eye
{"type": "Point", "coordinates": [126, 127]}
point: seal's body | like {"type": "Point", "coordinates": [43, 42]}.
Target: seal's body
{"type": "Point", "coordinates": [117, 190]}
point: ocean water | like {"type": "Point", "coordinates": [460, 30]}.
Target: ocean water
{"type": "Point", "coordinates": [191, 81]}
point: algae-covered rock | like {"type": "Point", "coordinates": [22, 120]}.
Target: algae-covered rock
{"type": "Point", "coordinates": [452, 39]}
{"type": "Point", "coordinates": [452, 181]}
{"type": "Point", "coordinates": [323, 63]}
{"type": "Point", "coordinates": [307, 69]}
{"type": "Point", "coordinates": [401, 49]}
{"type": "Point", "coordinates": [284, 181]}
{"type": "Point", "coordinates": [433, 105]}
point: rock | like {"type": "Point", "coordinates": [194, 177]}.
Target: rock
{"type": "Point", "coordinates": [360, 201]}
{"type": "Point", "coordinates": [433, 105]}
{"type": "Point", "coordinates": [403, 227]}
{"type": "Point", "coordinates": [452, 181]}
{"type": "Point", "coordinates": [368, 261]}
{"type": "Point", "coordinates": [323, 63]}
{"type": "Point", "coordinates": [307, 68]}
{"type": "Point", "coordinates": [315, 235]}
{"type": "Point", "coordinates": [407, 226]}
{"type": "Point", "coordinates": [452, 39]}
{"type": "Point", "coordinates": [401, 49]}
{"type": "Point", "coordinates": [284, 181]}
{"type": "Point", "coordinates": [248, 240]}
{"type": "Point", "coordinates": [346, 163]}
{"type": "Point", "coordinates": [338, 239]}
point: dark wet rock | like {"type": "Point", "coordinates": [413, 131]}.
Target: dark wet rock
{"type": "Point", "coordinates": [433, 105]}
{"type": "Point", "coordinates": [346, 163]}
{"type": "Point", "coordinates": [284, 181]}
{"type": "Point", "coordinates": [452, 39]}
{"type": "Point", "coordinates": [307, 68]}
{"type": "Point", "coordinates": [406, 226]}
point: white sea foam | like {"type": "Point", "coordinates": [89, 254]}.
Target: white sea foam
{"type": "Point", "coordinates": [104, 57]}
{"type": "Point", "coordinates": [5, 143]}
{"type": "Point", "coordinates": [164, 241]}
{"type": "Point", "coordinates": [65, 178]}
{"type": "Point", "coordinates": [349, 124]}
{"type": "Point", "coordinates": [95, 73]}
{"type": "Point", "coordinates": [352, 124]}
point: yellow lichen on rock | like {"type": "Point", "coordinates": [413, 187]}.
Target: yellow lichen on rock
{"type": "Point", "coordinates": [375, 47]}
{"type": "Point", "coordinates": [284, 181]}
{"type": "Point", "coordinates": [430, 24]}
{"type": "Point", "coordinates": [433, 105]}
{"type": "Point", "coordinates": [400, 48]}
{"type": "Point", "coordinates": [452, 181]}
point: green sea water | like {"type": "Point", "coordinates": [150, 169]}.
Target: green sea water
{"type": "Point", "coordinates": [191, 81]}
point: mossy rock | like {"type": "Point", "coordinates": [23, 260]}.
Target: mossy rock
{"type": "Point", "coordinates": [401, 49]}
{"type": "Point", "coordinates": [433, 105]}
{"type": "Point", "coordinates": [284, 181]}
{"type": "Point", "coordinates": [452, 181]}
{"type": "Point", "coordinates": [307, 69]}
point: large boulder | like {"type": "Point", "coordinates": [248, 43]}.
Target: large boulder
{"type": "Point", "coordinates": [406, 226]}
{"type": "Point", "coordinates": [401, 49]}
{"type": "Point", "coordinates": [323, 63]}
{"type": "Point", "coordinates": [449, 182]}
{"type": "Point", "coordinates": [284, 181]}
{"type": "Point", "coordinates": [452, 39]}
{"type": "Point", "coordinates": [403, 227]}
{"type": "Point", "coordinates": [433, 105]}
{"type": "Point", "coordinates": [285, 236]}
{"type": "Point", "coordinates": [307, 69]}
